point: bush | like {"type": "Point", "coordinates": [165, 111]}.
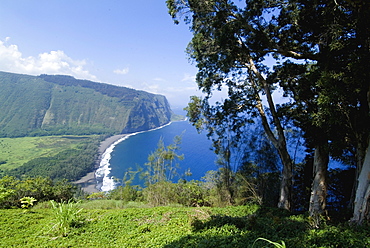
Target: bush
{"type": "Point", "coordinates": [40, 188]}
{"type": "Point", "coordinates": [160, 194]}
{"type": "Point", "coordinates": [66, 216]}
{"type": "Point", "coordinates": [125, 193]}
{"type": "Point", "coordinates": [191, 194]}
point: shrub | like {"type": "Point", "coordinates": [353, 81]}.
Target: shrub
{"type": "Point", "coordinates": [125, 193]}
{"type": "Point", "coordinates": [66, 216]}
{"type": "Point", "coordinates": [27, 202]}
{"type": "Point", "coordinates": [191, 194]}
{"type": "Point", "coordinates": [160, 193]}
{"type": "Point", "coordinates": [40, 188]}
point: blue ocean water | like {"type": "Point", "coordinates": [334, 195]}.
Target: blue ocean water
{"type": "Point", "coordinates": [133, 151]}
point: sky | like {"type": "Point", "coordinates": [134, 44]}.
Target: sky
{"type": "Point", "coordinates": [131, 43]}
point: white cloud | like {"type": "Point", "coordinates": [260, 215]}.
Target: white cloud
{"type": "Point", "coordinates": [188, 78]}
{"type": "Point", "coordinates": [122, 71]}
{"type": "Point", "coordinates": [53, 62]}
{"type": "Point", "coordinates": [153, 88]}
{"type": "Point", "coordinates": [159, 79]}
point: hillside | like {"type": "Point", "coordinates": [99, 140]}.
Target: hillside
{"type": "Point", "coordinates": [58, 105]}
{"type": "Point", "coordinates": [168, 227]}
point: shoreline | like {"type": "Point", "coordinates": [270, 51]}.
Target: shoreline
{"type": "Point", "coordinates": [88, 182]}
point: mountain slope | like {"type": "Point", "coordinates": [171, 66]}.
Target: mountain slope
{"type": "Point", "coordinates": [49, 105]}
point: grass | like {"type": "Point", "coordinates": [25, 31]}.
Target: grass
{"type": "Point", "coordinates": [66, 216]}
{"type": "Point", "coordinates": [174, 227]}
{"type": "Point", "coordinates": [275, 244]}
{"type": "Point", "coordinates": [14, 152]}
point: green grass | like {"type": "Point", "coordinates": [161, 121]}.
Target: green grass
{"type": "Point", "coordinates": [66, 216]}
{"type": "Point", "coordinates": [14, 152]}
{"type": "Point", "coordinates": [174, 227]}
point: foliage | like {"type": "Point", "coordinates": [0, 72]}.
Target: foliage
{"type": "Point", "coordinates": [66, 216]}
{"type": "Point", "coordinates": [96, 195]}
{"type": "Point", "coordinates": [160, 193]}
{"type": "Point", "coordinates": [40, 188]}
{"type": "Point", "coordinates": [27, 202]}
{"type": "Point", "coordinates": [15, 152]}
{"type": "Point", "coordinates": [176, 227]}
{"type": "Point", "coordinates": [211, 191]}
{"type": "Point", "coordinates": [5, 194]}
{"type": "Point", "coordinates": [191, 193]}
{"type": "Point", "coordinates": [112, 204]}
{"type": "Point", "coordinates": [243, 188]}
{"type": "Point", "coordinates": [70, 164]}
{"type": "Point", "coordinates": [161, 165]}
{"type": "Point", "coordinates": [328, 101]}
{"type": "Point", "coordinates": [275, 244]}
{"type": "Point", "coordinates": [125, 193]}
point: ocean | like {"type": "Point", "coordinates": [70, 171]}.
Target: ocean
{"type": "Point", "coordinates": [132, 151]}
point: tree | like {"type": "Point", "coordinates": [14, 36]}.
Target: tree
{"type": "Point", "coordinates": [299, 83]}
{"type": "Point", "coordinates": [337, 34]}
{"type": "Point", "coordinates": [360, 75]}
{"type": "Point", "coordinates": [160, 165]}
{"type": "Point", "coordinates": [231, 40]}
{"type": "Point", "coordinates": [229, 46]}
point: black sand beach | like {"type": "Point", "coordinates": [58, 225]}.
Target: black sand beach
{"type": "Point", "coordinates": [88, 183]}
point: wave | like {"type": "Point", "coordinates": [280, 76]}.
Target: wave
{"type": "Point", "coordinates": [103, 172]}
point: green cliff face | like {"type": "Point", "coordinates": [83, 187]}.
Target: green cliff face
{"type": "Point", "coordinates": [50, 105]}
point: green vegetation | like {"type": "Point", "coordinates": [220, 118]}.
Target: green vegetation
{"type": "Point", "coordinates": [29, 191]}
{"type": "Point", "coordinates": [60, 105]}
{"type": "Point", "coordinates": [161, 164]}
{"type": "Point", "coordinates": [15, 152]}
{"type": "Point", "coordinates": [70, 164]}
{"type": "Point", "coordinates": [328, 104]}
{"type": "Point", "coordinates": [313, 53]}
{"type": "Point", "coordinates": [66, 216]}
{"type": "Point", "coordinates": [275, 244]}
{"type": "Point", "coordinates": [57, 157]}
{"type": "Point", "coordinates": [173, 227]}
{"type": "Point", "coordinates": [125, 217]}
{"type": "Point", "coordinates": [27, 202]}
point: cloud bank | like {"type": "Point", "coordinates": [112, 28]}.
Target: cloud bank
{"type": "Point", "coordinates": [54, 62]}
{"type": "Point", "coordinates": [58, 62]}
{"type": "Point", "coordinates": [122, 71]}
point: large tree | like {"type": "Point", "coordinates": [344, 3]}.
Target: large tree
{"type": "Point", "coordinates": [354, 85]}
{"type": "Point", "coordinates": [336, 35]}
{"type": "Point", "coordinates": [228, 46]}
{"type": "Point", "coordinates": [232, 39]}
{"type": "Point", "coordinates": [299, 83]}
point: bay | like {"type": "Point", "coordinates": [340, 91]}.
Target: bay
{"type": "Point", "coordinates": [134, 150]}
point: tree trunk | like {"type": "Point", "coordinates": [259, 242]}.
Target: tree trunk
{"type": "Point", "coordinates": [362, 199]}
{"type": "Point", "coordinates": [360, 156]}
{"type": "Point", "coordinates": [361, 210]}
{"type": "Point", "coordinates": [286, 180]}
{"type": "Point", "coordinates": [319, 184]}
{"type": "Point", "coordinates": [279, 141]}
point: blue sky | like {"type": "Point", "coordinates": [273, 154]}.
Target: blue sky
{"type": "Point", "coordinates": [131, 43]}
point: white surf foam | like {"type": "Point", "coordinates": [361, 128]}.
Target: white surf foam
{"type": "Point", "coordinates": [103, 172]}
